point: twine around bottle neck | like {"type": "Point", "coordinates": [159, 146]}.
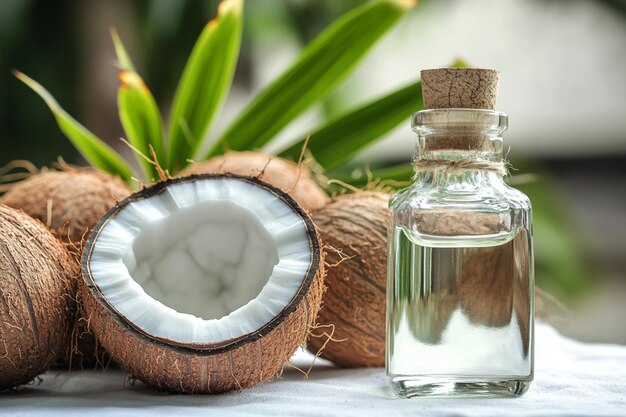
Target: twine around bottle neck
{"type": "Point", "coordinates": [461, 165]}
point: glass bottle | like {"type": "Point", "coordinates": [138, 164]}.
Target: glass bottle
{"type": "Point", "coordinates": [460, 294]}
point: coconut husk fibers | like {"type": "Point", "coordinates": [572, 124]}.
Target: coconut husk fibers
{"type": "Point", "coordinates": [289, 177]}
{"type": "Point", "coordinates": [70, 201]}
{"type": "Point", "coordinates": [206, 368]}
{"type": "Point", "coordinates": [38, 278]}
{"type": "Point", "coordinates": [355, 226]}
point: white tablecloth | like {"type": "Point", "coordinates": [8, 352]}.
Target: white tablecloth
{"type": "Point", "coordinates": [571, 379]}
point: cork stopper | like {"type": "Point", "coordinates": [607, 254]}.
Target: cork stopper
{"type": "Point", "coordinates": [448, 93]}
{"type": "Point", "coordinates": [460, 88]}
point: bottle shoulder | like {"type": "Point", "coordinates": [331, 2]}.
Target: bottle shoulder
{"type": "Point", "coordinates": [434, 212]}
{"type": "Point", "coordinates": [489, 197]}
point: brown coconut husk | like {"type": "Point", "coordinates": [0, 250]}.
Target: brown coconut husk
{"type": "Point", "coordinates": [355, 226]}
{"type": "Point", "coordinates": [38, 278]}
{"type": "Point", "coordinates": [206, 368]}
{"type": "Point", "coordinates": [70, 201]}
{"type": "Point", "coordinates": [288, 176]}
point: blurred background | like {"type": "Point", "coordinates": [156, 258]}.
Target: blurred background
{"type": "Point", "coordinates": [563, 84]}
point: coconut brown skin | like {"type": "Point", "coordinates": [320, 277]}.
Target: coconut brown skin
{"type": "Point", "coordinates": [70, 202]}
{"type": "Point", "coordinates": [354, 302]}
{"type": "Point", "coordinates": [286, 175]}
{"type": "Point", "coordinates": [206, 368]}
{"type": "Point", "coordinates": [38, 278]}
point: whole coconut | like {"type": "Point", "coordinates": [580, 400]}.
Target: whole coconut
{"type": "Point", "coordinates": [69, 201]}
{"type": "Point", "coordinates": [38, 279]}
{"type": "Point", "coordinates": [289, 177]}
{"type": "Point", "coordinates": [355, 227]}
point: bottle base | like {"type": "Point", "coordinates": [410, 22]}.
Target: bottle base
{"type": "Point", "coordinates": [429, 387]}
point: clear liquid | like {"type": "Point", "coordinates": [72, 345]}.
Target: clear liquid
{"type": "Point", "coordinates": [459, 315]}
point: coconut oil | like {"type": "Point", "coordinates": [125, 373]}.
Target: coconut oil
{"type": "Point", "coordinates": [460, 269]}
{"type": "Point", "coordinates": [459, 315]}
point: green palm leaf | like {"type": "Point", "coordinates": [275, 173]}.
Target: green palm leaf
{"type": "Point", "coordinates": [339, 140]}
{"type": "Point", "coordinates": [123, 58]}
{"type": "Point", "coordinates": [141, 120]}
{"type": "Point", "coordinates": [92, 148]}
{"type": "Point", "coordinates": [205, 81]}
{"type": "Point", "coordinates": [321, 66]}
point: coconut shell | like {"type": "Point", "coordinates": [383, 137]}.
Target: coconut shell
{"type": "Point", "coordinates": [70, 202]}
{"type": "Point", "coordinates": [354, 303]}
{"type": "Point", "coordinates": [38, 278]}
{"type": "Point", "coordinates": [286, 175]}
{"type": "Point", "coordinates": [211, 368]}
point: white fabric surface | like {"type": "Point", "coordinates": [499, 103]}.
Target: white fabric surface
{"type": "Point", "coordinates": [571, 379]}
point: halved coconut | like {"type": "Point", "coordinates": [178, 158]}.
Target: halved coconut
{"type": "Point", "coordinates": [205, 283]}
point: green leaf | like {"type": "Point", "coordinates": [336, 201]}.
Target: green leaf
{"type": "Point", "coordinates": [122, 56]}
{"type": "Point", "coordinates": [339, 140]}
{"type": "Point", "coordinates": [205, 81]}
{"type": "Point", "coordinates": [139, 113]}
{"type": "Point", "coordinates": [141, 120]}
{"type": "Point", "coordinates": [95, 151]}
{"type": "Point", "coordinates": [562, 265]}
{"type": "Point", "coordinates": [321, 66]}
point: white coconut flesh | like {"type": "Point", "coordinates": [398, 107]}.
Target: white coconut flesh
{"type": "Point", "coordinates": [203, 261]}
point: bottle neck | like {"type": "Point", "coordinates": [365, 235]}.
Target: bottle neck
{"type": "Point", "coordinates": [459, 134]}
{"type": "Point", "coordinates": [425, 151]}
{"type": "Point", "coordinates": [459, 145]}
